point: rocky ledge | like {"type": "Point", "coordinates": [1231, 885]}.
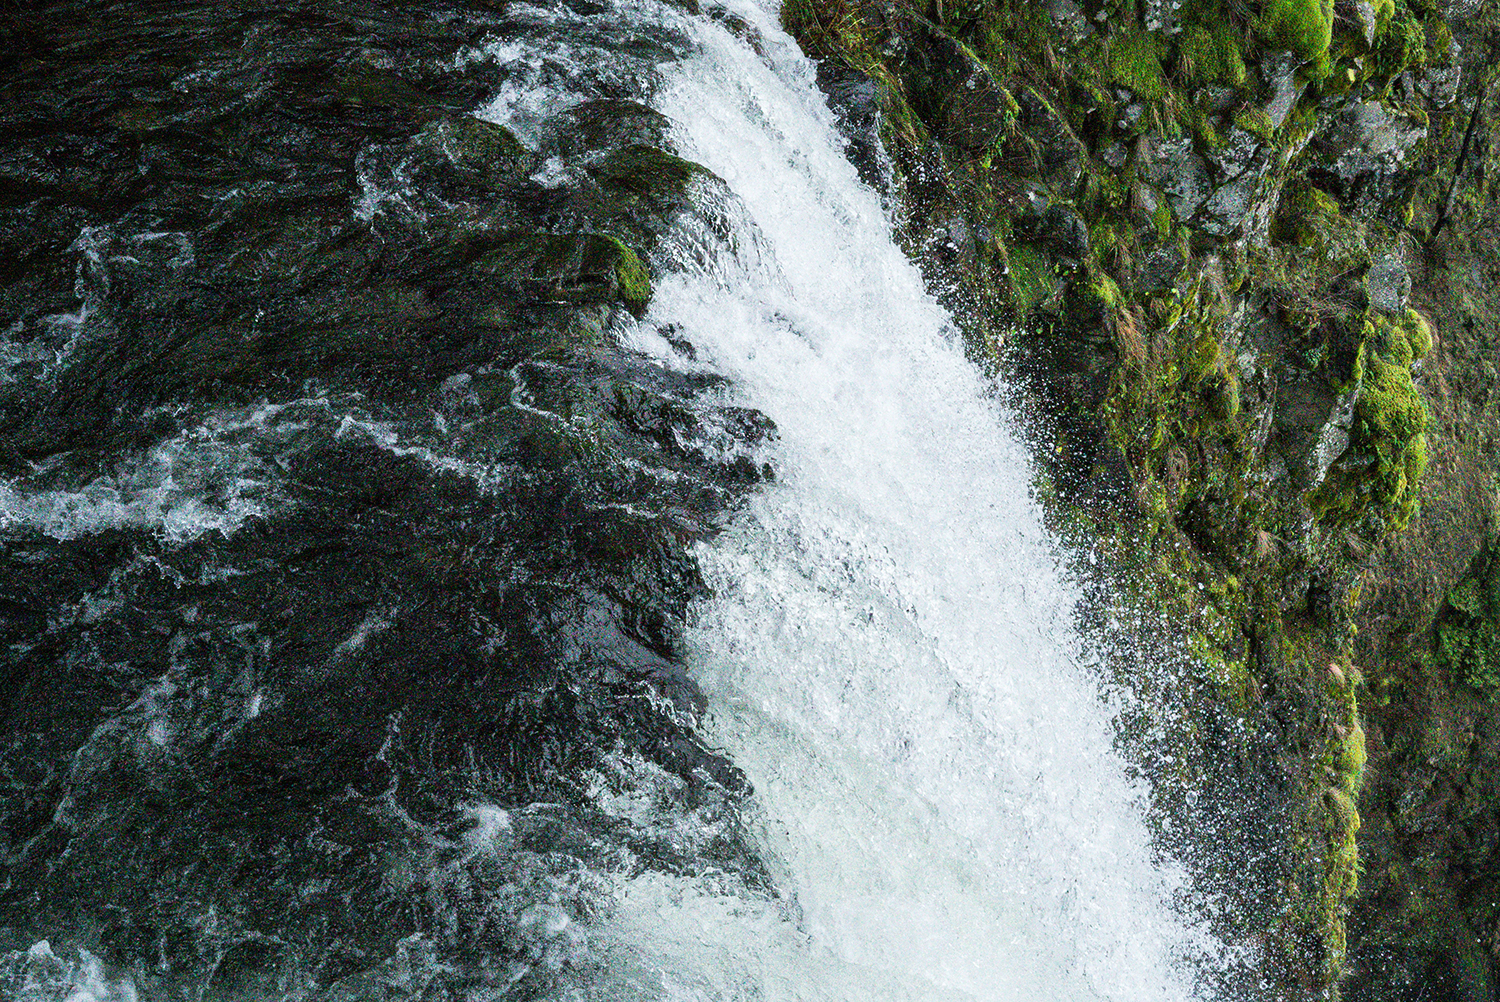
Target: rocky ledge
{"type": "Point", "coordinates": [1238, 256]}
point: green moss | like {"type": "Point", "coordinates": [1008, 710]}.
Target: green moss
{"type": "Point", "coordinates": [1212, 54]}
{"type": "Point", "coordinates": [1162, 217]}
{"type": "Point", "coordinates": [1390, 341]}
{"type": "Point", "coordinates": [1200, 125]}
{"type": "Point", "coordinates": [1349, 759]}
{"type": "Point", "coordinates": [1379, 475]}
{"type": "Point", "coordinates": [1400, 43]}
{"type": "Point", "coordinates": [1467, 636]}
{"type": "Point", "coordinates": [1418, 333]}
{"type": "Point", "coordinates": [1340, 814]}
{"type": "Point", "coordinates": [1202, 356]}
{"type": "Point", "coordinates": [1134, 62]}
{"type": "Point", "coordinates": [633, 282]}
{"type": "Point", "coordinates": [824, 28]}
{"type": "Point", "coordinates": [1032, 280]}
{"type": "Point", "coordinates": [1107, 292]}
{"type": "Point", "coordinates": [1310, 217]}
{"type": "Point", "coordinates": [1255, 120]}
{"type": "Point", "coordinates": [1302, 27]}
{"type": "Point", "coordinates": [1390, 413]}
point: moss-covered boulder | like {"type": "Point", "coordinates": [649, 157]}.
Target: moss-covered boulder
{"type": "Point", "coordinates": [1302, 27]}
{"type": "Point", "coordinates": [568, 268]}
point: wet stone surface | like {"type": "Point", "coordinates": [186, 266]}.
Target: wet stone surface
{"type": "Point", "coordinates": [345, 554]}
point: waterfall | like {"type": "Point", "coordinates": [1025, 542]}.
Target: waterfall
{"type": "Point", "coordinates": [367, 683]}
{"type": "Point", "coordinates": [888, 650]}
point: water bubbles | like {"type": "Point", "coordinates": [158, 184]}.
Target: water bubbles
{"type": "Point", "coordinates": [491, 825]}
{"type": "Point", "coordinates": [40, 975]}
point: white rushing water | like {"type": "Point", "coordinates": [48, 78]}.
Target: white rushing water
{"type": "Point", "coordinates": [889, 654]}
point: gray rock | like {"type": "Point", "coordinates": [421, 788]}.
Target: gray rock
{"type": "Point", "coordinates": [1229, 207]}
{"type": "Point", "coordinates": [1281, 77]}
{"type": "Point", "coordinates": [1070, 18]}
{"type": "Point", "coordinates": [1364, 12]}
{"type": "Point", "coordinates": [1439, 84]}
{"type": "Point", "coordinates": [1161, 15]}
{"type": "Point", "coordinates": [1367, 138]}
{"type": "Point", "coordinates": [1182, 175]}
{"type": "Point", "coordinates": [854, 98]}
{"type": "Point", "coordinates": [1388, 284]}
{"type": "Point", "coordinates": [1059, 151]}
{"type": "Point", "coordinates": [961, 237]}
{"type": "Point", "coordinates": [1333, 437]}
{"type": "Point", "coordinates": [1221, 99]}
{"type": "Point", "coordinates": [1237, 155]}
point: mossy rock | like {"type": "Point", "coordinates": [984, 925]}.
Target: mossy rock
{"type": "Point", "coordinates": [1400, 43]}
{"type": "Point", "coordinates": [1380, 472]}
{"type": "Point", "coordinates": [956, 94]}
{"type": "Point", "coordinates": [1032, 280]}
{"type": "Point", "coordinates": [1134, 61]}
{"type": "Point", "coordinates": [1418, 331]}
{"type": "Point", "coordinates": [1310, 217]}
{"type": "Point", "coordinates": [474, 145]}
{"type": "Point", "coordinates": [1302, 27]}
{"type": "Point", "coordinates": [824, 30]}
{"type": "Point", "coordinates": [645, 171]}
{"type": "Point", "coordinates": [569, 267]}
{"type": "Point", "coordinates": [1210, 55]}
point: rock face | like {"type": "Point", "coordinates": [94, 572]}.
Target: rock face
{"type": "Point", "coordinates": [1236, 256]}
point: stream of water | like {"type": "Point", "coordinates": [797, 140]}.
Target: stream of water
{"type": "Point", "coordinates": [899, 781]}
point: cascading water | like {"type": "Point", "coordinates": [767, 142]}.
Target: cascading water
{"type": "Point", "coordinates": [888, 651]}
{"type": "Point", "coordinates": [884, 649]}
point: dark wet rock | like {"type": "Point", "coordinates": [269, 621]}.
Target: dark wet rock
{"type": "Point", "coordinates": [955, 92]}
{"type": "Point", "coordinates": [1059, 229]}
{"type": "Point", "coordinates": [567, 268]}
{"type": "Point", "coordinates": [1161, 267]}
{"type": "Point", "coordinates": [346, 556]}
{"type": "Point", "coordinates": [480, 153]}
{"type": "Point", "coordinates": [855, 99]}
{"type": "Point", "coordinates": [610, 125]}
